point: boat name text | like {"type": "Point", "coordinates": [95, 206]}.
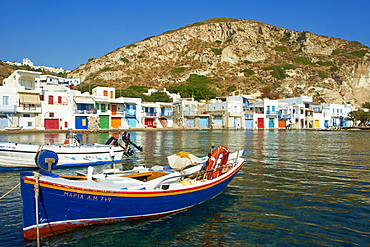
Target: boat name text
{"type": "Point", "coordinates": [87, 197]}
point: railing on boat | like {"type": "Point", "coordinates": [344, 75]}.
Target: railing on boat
{"type": "Point", "coordinates": [233, 164]}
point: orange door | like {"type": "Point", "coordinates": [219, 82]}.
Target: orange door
{"type": "Point", "coordinates": [116, 122]}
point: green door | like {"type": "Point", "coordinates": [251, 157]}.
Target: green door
{"type": "Point", "coordinates": [104, 122]}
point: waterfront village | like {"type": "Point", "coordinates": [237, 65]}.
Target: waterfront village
{"type": "Point", "coordinates": [31, 100]}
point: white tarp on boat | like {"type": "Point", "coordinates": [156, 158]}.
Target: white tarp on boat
{"type": "Point", "coordinates": [182, 160]}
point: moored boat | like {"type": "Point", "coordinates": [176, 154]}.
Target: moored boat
{"type": "Point", "coordinates": [13, 128]}
{"type": "Point", "coordinates": [17, 156]}
{"type": "Point", "coordinates": [66, 202]}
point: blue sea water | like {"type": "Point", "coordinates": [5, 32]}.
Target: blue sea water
{"type": "Point", "coordinates": [297, 188]}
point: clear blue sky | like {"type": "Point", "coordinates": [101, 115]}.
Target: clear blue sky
{"type": "Point", "coordinates": [68, 33]}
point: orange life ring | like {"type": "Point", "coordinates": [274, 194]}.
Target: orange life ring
{"type": "Point", "coordinates": [213, 160]}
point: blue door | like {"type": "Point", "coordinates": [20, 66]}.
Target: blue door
{"type": "Point", "coordinates": [249, 123]}
{"type": "Point", "coordinates": [82, 123]}
{"type": "Point", "coordinates": [203, 122]}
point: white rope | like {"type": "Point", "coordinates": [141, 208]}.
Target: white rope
{"type": "Point", "coordinates": [7, 193]}
{"type": "Point", "coordinates": [36, 189]}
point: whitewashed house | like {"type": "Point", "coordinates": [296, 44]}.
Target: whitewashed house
{"type": "Point", "coordinates": [57, 107]}
{"type": "Point", "coordinates": [27, 100]}
{"type": "Point", "coordinates": [229, 109]}
{"type": "Point", "coordinates": [300, 119]}
{"type": "Point", "coordinates": [8, 107]}
{"type": "Point", "coordinates": [132, 112]}
{"type": "Point", "coordinates": [336, 115]}
{"type": "Point", "coordinates": [266, 114]}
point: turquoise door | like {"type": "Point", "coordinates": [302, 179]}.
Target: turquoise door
{"type": "Point", "coordinates": [271, 123]}
{"type": "Point", "coordinates": [131, 122]}
{"type": "Point", "coordinates": [203, 122]}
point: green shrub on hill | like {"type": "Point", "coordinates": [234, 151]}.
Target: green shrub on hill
{"type": "Point", "coordinates": [231, 88]}
{"type": "Point", "coordinates": [323, 63]}
{"type": "Point", "coordinates": [196, 86]}
{"type": "Point", "coordinates": [302, 60]}
{"type": "Point", "coordinates": [217, 51]}
{"type": "Point", "coordinates": [277, 71]}
{"type": "Point", "coordinates": [179, 70]}
{"type": "Point", "coordinates": [359, 53]}
{"type": "Point", "coordinates": [334, 68]}
{"type": "Point", "coordinates": [281, 48]}
{"type": "Point", "coordinates": [247, 72]}
{"type": "Point", "coordinates": [106, 69]}
{"type": "Point", "coordinates": [289, 66]}
{"type": "Point", "coordinates": [336, 52]}
{"type": "Point", "coordinates": [323, 74]}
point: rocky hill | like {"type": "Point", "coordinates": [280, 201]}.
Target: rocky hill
{"type": "Point", "coordinates": [5, 71]}
{"type": "Point", "coordinates": [241, 57]}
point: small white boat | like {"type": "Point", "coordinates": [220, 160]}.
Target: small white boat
{"type": "Point", "coordinates": [14, 128]}
{"type": "Point", "coordinates": [17, 156]}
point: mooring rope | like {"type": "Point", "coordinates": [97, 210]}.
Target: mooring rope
{"type": "Point", "coordinates": [7, 193]}
{"type": "Point", "coordinates": [36, 189]}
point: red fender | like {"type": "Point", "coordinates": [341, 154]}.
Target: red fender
{"type": "Point", "coordinates": [212, 161]}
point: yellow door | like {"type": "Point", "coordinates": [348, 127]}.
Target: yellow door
{"type": "Point", "coordinates": [317, 123]}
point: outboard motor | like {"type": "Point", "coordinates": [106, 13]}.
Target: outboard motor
{"type": "Point", "coordinates": [125, 142]}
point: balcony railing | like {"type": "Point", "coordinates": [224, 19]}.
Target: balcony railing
{"type": "Point", "coordinates": [166, 114]}
{"type": "Point", "coordinates": [271, 112]}
{"type": "Point", "coordinates": [85, 112]}
{"type": "Point", "coordinates": [150, 114]}
{"type": "Point", "coordinates": [115, 113]}
{"type": "Point", "coordinates": [7, 108]}
{"type": "Point", "coordinates": [190, 113]}
{"type": "Point", "coordinates": [29, 109]}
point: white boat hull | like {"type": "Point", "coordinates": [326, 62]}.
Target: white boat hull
{"type": "Point", "coordinates": [22, 155]}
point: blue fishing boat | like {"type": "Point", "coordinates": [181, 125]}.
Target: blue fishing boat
{"type": "Point", "coordinates": [53, 203]}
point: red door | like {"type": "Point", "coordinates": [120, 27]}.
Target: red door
{"type": "Point", "coordinates": [261, 123]}
{"type": "Point", "coordinates": [51, 124]}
